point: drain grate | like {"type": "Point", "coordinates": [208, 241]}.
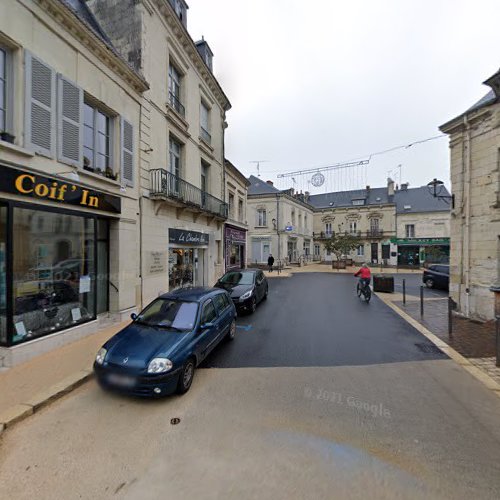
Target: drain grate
{"type": "Point", "coordinates": [430, 349]}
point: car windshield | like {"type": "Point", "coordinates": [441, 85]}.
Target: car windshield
{"type": "Point", "coordinates": [167, 313]}
{"type": "Point", "coordinates": [237, 278]}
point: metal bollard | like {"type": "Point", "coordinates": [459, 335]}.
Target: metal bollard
{"type": "Point", "coordinates": [421, 300]}
{"type": "Point", "coordinates": [497, 321]}
{"type": "Point", "coordinates": [450, 316]}
{"type": "Point", "coordinates": [404, 291]}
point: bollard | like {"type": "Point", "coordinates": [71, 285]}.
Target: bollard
{"type": "Point", "coordinates": [421, 300]}
{"type": "Point", "coordinates": [497, 321]}
{"type": "Point", "coordinates": [450, 316]}
{"type": "Point", "coordinates": [404, 291]}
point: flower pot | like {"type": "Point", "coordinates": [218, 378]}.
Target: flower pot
{"type": "Point", "coordinates": [5, 136]}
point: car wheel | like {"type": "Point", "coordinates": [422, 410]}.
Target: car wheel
{"type": "Point", "coordinates": [186, 376]}
{"type": "Point", "coordinates": [232, 331]}
{"type": "Point", "coordinates": [429, 283]}
{"type": "Point", "coordinates": [253, 305]}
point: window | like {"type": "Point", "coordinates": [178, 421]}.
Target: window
{"type": "Point", "coordinates": [374, 225]}
{"type": "Point", "coordinates": [261, 217]}
{"type": "Point", "coordinates": [353, 227]}
{"type": "Point", "coordinates": [328, 228]}
{"type": "Point", "coordinates": [208, 314]}
{"type": "Point", "coordinates": [360, 251]}
{"type": "Point", "coordinates": [410, 230]}
{"type": "Point", "coordinates": [293, 217]}
{"type": "Point", "coordinates": [317, 250]}
{"type": "Point", "coordinates": [220, 303]}
{"type": "Point", "coordinates": [231, 205]}
{"type": "Point", "coordinates": [240, 210]}
{"type": "Point", "coordinates": [174, 163]}
{"type": "Point", "coordinates": [358, 202]}
{"type": "Point", "coordinates": [305, 221]}
{"type": "Point", "coordinates": [205, 123]}
{"type": "Point", "coordinates": [97, 141]}
{"type": "Point", "coordinates": [3, 90]}
{"type": "Point", "coordinates": [174, 90]}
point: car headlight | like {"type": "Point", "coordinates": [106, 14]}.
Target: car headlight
{"type": "Point", "coordinates": [159, 365]}
{"type": "Point", "coordinates": [101, 354]}
{"type": "Point", "coordinates": [246, 295]}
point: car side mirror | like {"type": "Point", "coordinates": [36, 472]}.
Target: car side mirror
{"type": "Point", "coordinates": [133, 316]}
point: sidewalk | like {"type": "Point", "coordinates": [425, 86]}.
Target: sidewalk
{"type": "Point", "coordinates": [473, 340]}
{"type": "Point", "coordinates": [28, 386]}
{"type": "Point", "coordinates": [316, 267]}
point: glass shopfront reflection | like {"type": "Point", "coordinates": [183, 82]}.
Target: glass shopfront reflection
{"type": "Point", "coordinates": [185, 267]}
{"type": "Point", "coordinates": [3, 274]}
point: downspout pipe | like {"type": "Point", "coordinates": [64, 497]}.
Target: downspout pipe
{"type": "Point", "coordinates": [467, 158]}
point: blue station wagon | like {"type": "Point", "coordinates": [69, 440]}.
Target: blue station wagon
{"type": "Point", "coordinates": [157, 354]}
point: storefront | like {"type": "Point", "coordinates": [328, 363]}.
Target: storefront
{"type": "Point", "coordinates": [417, 251]}
{"type": "Point", "coordinates": [234, 247]}
{"type": "Point", "coordinates": [186, 258]}
{"type": "Point", "coordinates": [54, 260]}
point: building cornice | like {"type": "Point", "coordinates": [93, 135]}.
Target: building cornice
{"type": "Point", "coordinates": [70, 22]}
{"type": "Point", "coordinates": [184, 38]}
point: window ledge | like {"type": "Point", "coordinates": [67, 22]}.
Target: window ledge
{"type": "Point", "coordinates": [205, 143]}
{"type": "Point", "coordinates": [261, 227]}
{"type": "Point", "coordinates": [86, 173]}
{"type": "Point", "coordinates": [17, 149]}
{"type": "Point", "coordinates": [173, 112]}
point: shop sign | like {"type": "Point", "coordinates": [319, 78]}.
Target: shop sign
{"type": "Point", "coordinates": [183, 237]}
{"type": "Point", "coordinates": [16, 181]}
{"type": "Point", "coordinates": [156, 263]}
{"type": "Point", "coordinates": [235, 234]}
{"type": "Point", "coordinates": [421, 241]}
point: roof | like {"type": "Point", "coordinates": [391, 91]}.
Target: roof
{"type": "Point", "coordinates": [190, 294]}
{"type": "Point", "coordinates": [258, 186]}
{"type": "Point", "coordinates": [84, 14]}
{"type": "Point", "coordinates": [236, 172]}
{"type": "Point", "coordinates": [420, 200]}
{"type": "Point", "coordinates": [486, 100]}
{"type": "Point", "coordinates": [373, 196]}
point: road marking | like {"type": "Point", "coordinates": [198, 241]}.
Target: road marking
{"type": "Point", "coordinates": [247, 328]}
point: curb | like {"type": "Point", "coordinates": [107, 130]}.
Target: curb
{"type": "Point", "coordinates": [476, 372]}
{"type": "Point", "coordinates": [21, 411]}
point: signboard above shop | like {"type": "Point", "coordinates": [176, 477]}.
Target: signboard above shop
{"type": "Point", "coordinates": [188, 238]}
{"type": "Point", "coordinates": [36, 186]}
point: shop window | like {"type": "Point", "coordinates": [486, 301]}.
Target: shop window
{"type": "Point", "coordinates": [53, 273]}
{"type": "Point", "coordinates": [3, 275]}
{"type": "Point", "coordinates": [102, 278]}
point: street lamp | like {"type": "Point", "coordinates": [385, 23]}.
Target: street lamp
{"type": "Point", "coordinates": [436, 187]}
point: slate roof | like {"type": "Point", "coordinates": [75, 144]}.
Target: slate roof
{"type": "Point", "coordinates": [258, 186]}
{"type": "Point", "coordinates": [373, 196]}
{"type": "Point", "coordinates": [489, 98]}
{"type": "Point", "coordinates": [420, 200]}
{"type": "Point", "coordinates": [84, 14]}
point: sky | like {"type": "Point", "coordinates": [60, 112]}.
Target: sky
{"type": "Point", "coordinates": [318, 83]}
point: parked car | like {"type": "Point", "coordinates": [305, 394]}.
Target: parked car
{"type": "Point", "coordinates": [437, 276]}
{"type": "Point", "coordinates": [157, 354]}
{"type": "Point", "coordinates": [247, 288]}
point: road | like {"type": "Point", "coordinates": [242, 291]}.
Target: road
{"type": "Point", "coordinates": [320, 396]}
{"type": "Point", "coordinates": [413, 284]}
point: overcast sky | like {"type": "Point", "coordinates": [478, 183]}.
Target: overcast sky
{"type": "Point", "coordinates": [317, 83]}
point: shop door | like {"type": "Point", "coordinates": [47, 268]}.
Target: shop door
{"type": "Point", "coordinates": [374, 253]}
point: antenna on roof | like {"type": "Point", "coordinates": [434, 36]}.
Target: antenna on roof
{"type": "Point", "coordinates": [258, 162]}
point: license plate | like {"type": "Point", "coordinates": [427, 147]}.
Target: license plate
{"type": "Point", "coordinates": [121, 380]}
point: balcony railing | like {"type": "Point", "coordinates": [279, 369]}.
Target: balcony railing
{"type": "Point", "coordinates": [324, 236]}
{"type": "Point", "coordinates": [165, 185]}
{"type": "Point", "coordinates": [205, 135]}
{"type": "Point", "coordinates": [375, 233]}
{"type": "Point", "coordinates": [176, 104]}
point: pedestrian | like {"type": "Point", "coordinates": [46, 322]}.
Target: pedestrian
{"type": "Point", "coordinates": [270, 262]}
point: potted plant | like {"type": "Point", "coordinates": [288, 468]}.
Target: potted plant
{"type": "Point", "coordinates": [110, 174]}
{"type": "Point", "coordinates": [5, 136]}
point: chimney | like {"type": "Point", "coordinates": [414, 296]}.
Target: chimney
{"type": "Point", "coordinates": [306, 195]}
{"type": "Point", "coordinates": [205, 52]}
{"type": "Point", "coordinates": [270, 183]}
{"type": "Point", "coordinates": [368, 188]}
{"type": "Point", "coordinates": [404, 186]}
{"type": "Point", "coordinates": [390, 187]}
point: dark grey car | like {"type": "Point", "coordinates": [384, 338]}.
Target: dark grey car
{"type": "Point", "coordinates": [437, 276]}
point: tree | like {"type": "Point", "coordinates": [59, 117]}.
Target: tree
{"type": "Point", "coordinates": [341, 244]}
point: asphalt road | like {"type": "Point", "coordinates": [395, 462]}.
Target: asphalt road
{"type": "Point", "coordinates": [320, 396]}
{"type": "Point", "coordinates": [413, 284]}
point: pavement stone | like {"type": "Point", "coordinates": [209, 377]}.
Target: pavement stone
{"type": "Point", "coordinates": [14, 414]}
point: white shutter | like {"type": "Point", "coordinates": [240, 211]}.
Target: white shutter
{"type": "Point", "coordinates": [69, 122]}
{"type": "Point", "coordinates": [40, 109]}
{"type": "Point", "coordinates": [127, 152]}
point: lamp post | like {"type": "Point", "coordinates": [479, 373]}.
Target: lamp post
{"type": "Point", "coordinates": [436, 189]}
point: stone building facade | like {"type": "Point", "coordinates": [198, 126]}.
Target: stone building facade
{"type": "Point", "coordinates": [475, 217]}
{"type": "Point", "coordinates": [183, 118]}
{"type": "Point", "coordinates": [69, 177]}
{"type": "Point", "coordinates": [280, 223]}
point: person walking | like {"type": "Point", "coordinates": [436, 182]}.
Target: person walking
{"type": "Point", "coordinates": [270, 262]}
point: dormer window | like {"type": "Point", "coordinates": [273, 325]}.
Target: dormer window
{"type": "Point", "coordinates": [360, 201]}
{"type": "Point", "coordinates": [180, 8]}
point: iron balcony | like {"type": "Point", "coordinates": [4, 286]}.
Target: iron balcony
{"type": "Point", "coordinates": [167, 186]}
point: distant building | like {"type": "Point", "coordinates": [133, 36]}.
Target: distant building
{"type": "Point", "coordinates": [475, 218]}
